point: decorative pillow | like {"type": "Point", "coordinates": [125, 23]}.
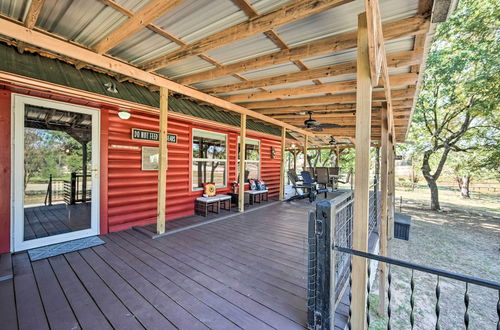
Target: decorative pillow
{"type": "Point", "coordinates": [253, 184]}
{"type": "Point", "coordinates": [209, 189]}
{"type": "Point", "coordinates": [261, 185]}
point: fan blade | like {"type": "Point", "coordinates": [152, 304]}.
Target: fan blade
{"type": "Point", "coordinates": [330, 125]}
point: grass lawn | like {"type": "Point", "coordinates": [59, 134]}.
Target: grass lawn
{"type": "Point", "coordinates": [459, 240]}
{"type": "Point", "coordinates": [479, 203]}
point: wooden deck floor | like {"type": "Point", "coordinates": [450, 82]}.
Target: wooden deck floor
{"type": "Point", "coordinates": [43, 221]}
{"type": "Point", "coordinates": [248, 271]}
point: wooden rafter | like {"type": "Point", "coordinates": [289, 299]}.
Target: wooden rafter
{"type": "Point", "coordinates": [75, 52]}
{"type": "Point", "coordinates": [282, 15]}
{"type": "Point", "coordinates": [392, 30]}
{"type": "Point", "coordinates": [341, 98]}
{"type": "Point", "coordinates": [395, 60]}
{"type": "Point", "coordinates": [135, 23]}
{"type": "Point", "coordinates": [399, 104]}
{"type": "Point", "coordinates": [400, 80]}
{"type": "Point", "coordinates": [33, 13]}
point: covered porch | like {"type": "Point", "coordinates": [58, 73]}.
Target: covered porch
{"type": "Point", "coordinates": [283, 73]}
{"type": "Point", "coordinates": [249, 271]}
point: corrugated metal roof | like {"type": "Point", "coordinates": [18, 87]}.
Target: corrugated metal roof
{"type": "Point", "coordinates": [340, 19]}
{"type": "Point", "coordinates": [192, 64]}
{"type": "Point", "coordinates": [217, 82]}
{"type": "Point", "coordinates": [391, 47]}
{"type": "Point", "coordinates": [83, 21]}
{"type": "Point", "coordinates": [58, 72]}
{"type": "Point", "coordinates": [271, 71]}
{"type": "Point", "coordinates": [263, 6]}
{"type": "Point", "coordinates": [193, 20]}
{"type": "Point", "coordinates": [243, 49]}
{"type": "Point", "coordinates": [143, 46]}
{"type": "Point", "coordinates": [14, 8]}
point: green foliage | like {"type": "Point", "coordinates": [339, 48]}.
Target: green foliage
{"type": "Point", "coordinates": [458, 111]}
{"type": "Point", "coordinates": [51, 153]}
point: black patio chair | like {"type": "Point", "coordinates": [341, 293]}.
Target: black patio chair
{"type": "Point", "coordinates": [306, 176]}
{"type": "Point", "coordinates": [309, 189]}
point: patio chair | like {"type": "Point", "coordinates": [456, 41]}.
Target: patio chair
{"type": "Point", "coordinates": [308, 180]}
{"type": "Point", "coordinates": [323, 178]}
{"type": "Point", "coordinates": [309, 190]}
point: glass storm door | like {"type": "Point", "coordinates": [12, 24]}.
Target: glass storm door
{"type": "Point", "coordinates": [55, 173]}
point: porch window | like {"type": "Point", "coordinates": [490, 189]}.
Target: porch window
{"type": "Point", "coordinates": [252, 159]}
{"type": "Point", "coordinates": [209, 158]}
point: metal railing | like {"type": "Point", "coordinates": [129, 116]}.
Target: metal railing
{"type": "Point", "coordinates": [332, 222]}
{"type": "Point", "coordinates": [76, 190]}
{"type": "Point", "coordinates": [428, 270]}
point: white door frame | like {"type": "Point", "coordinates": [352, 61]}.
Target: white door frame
{"type": "Point", "coordinates": [17, 203]}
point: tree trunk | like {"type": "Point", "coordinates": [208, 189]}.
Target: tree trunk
{"type": "Point", "coordinates": [434, 194]}
{"type": "Point", "coordinates": [464, 187]}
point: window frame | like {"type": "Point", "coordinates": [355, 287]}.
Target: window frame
{"type": "Point", "coordinates": [193, 159]}
{"type": "Point", "coordinates": [258, 142]}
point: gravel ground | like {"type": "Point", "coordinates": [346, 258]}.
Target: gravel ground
{"type": "Point", "coordinates": [454, 241]}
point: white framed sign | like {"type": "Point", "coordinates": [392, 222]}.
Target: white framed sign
{"type": "Point", "coordinates": [150, 158]}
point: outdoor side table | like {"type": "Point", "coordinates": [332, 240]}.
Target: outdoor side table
{"type": "Point", "coordinates": [203, 205]}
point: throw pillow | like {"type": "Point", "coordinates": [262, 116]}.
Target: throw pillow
{"type": "Point", "coordinates": [253, 184]}
{"type": "Point", "coordinates": [209, 189]}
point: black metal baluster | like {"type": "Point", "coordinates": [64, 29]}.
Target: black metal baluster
{"type": "Point", "coordinates": [466, 302]}
{"type": "Point", "coordinates": [389, 280]}
{"type": "Point", "coordinates": [438, 310]}
{"type": "Point", "coordinates": [498, 311]}
{"type": "Point", "coordinates": [368, 296]}
{"type": "Point", "coordinates": [350, 293]}
{"type": "Point", "coordinates": [412, 300]}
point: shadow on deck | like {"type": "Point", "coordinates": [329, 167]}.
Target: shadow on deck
{"type": "Point", "coordinates": [247, 271]}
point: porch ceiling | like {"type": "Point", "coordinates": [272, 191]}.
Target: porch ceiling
{"type": "Point", "coordinates": [248, 52]}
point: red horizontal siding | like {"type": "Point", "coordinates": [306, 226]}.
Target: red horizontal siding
{"type": "Point", "coordinates": [128, 194]}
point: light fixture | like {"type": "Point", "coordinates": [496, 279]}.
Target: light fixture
{"type": "Point", "coordinates": [124, 114]}
{"type": "Point", "coordinates": [111, 87]}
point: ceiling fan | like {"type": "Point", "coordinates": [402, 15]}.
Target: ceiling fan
{"type": "Point", "coordinates": [314, 125]}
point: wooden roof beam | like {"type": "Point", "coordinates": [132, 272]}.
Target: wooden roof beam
{"type": "Point", "coordinates": [395, 61]}
{"type": "Point", "coordinates": [392, 30]}
{"type": "Point", "coordinates": [58, 46]}
{"type": "Point", "coordinates": [280, 16]}
{"type": "Point", "coordinates": [407, 93]}
{"type": "Point", "coordinates": [400, 80]}
{"type": "Point", "coordinates": [139, 20]}
{"type": "Point", "coordinates": [33, 13]}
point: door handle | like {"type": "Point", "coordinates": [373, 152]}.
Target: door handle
{"type": "Point", "coordinates": [95, 171]}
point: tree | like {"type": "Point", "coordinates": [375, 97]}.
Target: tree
{"type": "Point", "coordinates": [457, 109]}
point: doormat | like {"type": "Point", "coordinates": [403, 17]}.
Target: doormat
{"type": "Point", "coordinates": [65, 247]}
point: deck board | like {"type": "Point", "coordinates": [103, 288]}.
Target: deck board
{"type": "Point", "coordinates": [88, 314]}
{"type": "Point", "coordinates": [114, 310]}
{"type": "Point", "coordinates": [248, 271]}
{"type": "Point", "coordinates": [57, 308]}
{"type": "Point", "coordinates": [30, 310]}
{"type": "Point", "coordinates": [8, 313]}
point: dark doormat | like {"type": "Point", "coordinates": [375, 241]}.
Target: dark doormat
{"type": "Point", "coordinates": [65, 247]}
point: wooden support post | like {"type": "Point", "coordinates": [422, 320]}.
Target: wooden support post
{"type": "Point", "coordinates": [383, 217]}
{"type": "Point", "coordinates": [295, 154]}
{"type": "Point", "coordinates": [163, 163]}
{"type": "Point", "coordinates": [282, 165]}
{"type": "Point", "coordinates": [391, 199]}
{"type": "Point", "coordinates": [362, 178]}
{"type": "Point", "coordinates": [306, 138]}
{"type": "Point", "coordinates": [241, 184]}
